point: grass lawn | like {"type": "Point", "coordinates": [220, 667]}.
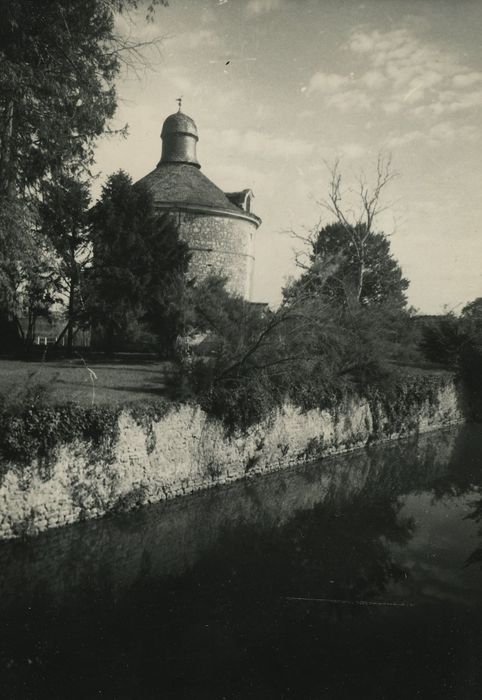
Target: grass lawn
{"type": "Point", "coordinates": [114, 382]}
{"type": "Point", "coordinates": [71, 380]}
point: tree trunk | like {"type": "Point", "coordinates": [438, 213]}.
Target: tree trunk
{"type": "Point", "coordinates": [30, 337]}
{"type": "Point", "coordinates": [72, 287]}
{"type": "Point", "coordinates": [361, 275]}
{"type": "Point", "coordinates": [71, 310]}
{"type": "Point", "coordinates": [7, 175]}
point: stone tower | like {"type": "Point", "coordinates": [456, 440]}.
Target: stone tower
{"type": "Point", "coordinates": [219, 227]}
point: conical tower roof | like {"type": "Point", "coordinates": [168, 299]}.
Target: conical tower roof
{"type": "Point", "coordinates": [178, 183]}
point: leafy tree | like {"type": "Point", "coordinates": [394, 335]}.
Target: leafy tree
{"type": "Point", "coordinates": [229, 372]}
{"type": "Point", "coordinates": [16, 250]}
{"type": "Point", "coordinates": [443, 339]}
{"type": "Point", "coordinates": [253, 359]}
{"type": "Point", "coordinates": [447, 338]}
{"type": "Point", "coordinates": [333, 269]}
{"type": "Point", "coordinates": [28, 282]}
{"type": "Point", "coordinates": [340, 328]}
{"type": "Point", "coordinates": [457, 343]}
{"type": "Point", "coordinates": [39, 290]}
{"type": "Point", "coordinates": [358, 258]}
{"type": "Point", "coordinates": [58, 63]}
{"type": "Point", "coordinates": [349, 271]}
{"type": "Point", "coordinates": [472, 316]}
{"type": "Point", "coordinates": [358, 217]}
{"type": "Point", "coordinates": [65, 216]}
{"type": "Point", "coordinates": [138, 266]}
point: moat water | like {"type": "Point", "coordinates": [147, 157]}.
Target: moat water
{"type": "Point", "coordinates": [359, 577]}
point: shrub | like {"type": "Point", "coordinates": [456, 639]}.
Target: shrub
{"type": "Point", "coordinates": [36, 431]}
{"type": "Point", "coordinates": [470, 371]}
{"type": "Point", "coordinates": [443, 339]}
{"type": "Point", "coordinates": [239, 401]}
{"type": "Point", "coordinates": [31, 428]}
{"type": "Point", "coordinates": [457, 343]}
{"type": "Point", "coordinates": [308, 352]}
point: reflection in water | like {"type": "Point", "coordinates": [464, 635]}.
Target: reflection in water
{"type": "Point", "coordinates": [476, 515]}
{"type": "Point", "coordinates": [227, 594]}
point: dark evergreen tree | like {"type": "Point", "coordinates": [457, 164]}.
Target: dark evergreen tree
{"type": "Point", "coordinates": [139, 265]}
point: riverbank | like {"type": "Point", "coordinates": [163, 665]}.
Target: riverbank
{"type": "Point", "coordinates": [364, 567]}
{"type": "Point", "coordinates": [65, 464]}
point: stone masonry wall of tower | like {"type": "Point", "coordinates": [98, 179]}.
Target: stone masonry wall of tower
{"type": "Point", "coordinates": [220, 245]}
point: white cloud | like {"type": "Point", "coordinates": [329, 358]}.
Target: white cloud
{"type": "Point", "coordinates": [466, 79]}
{"type": "Point", "coordinates": [450, 103]}
{"type": "Point", "coordinates": [349, 100]}
{"type": "Point", "coordinates": [353, 150]}
{"type": "Point", "coordinates": [395, 141]}
{"type": "Point", "coordinates": [339, 92]}
{"type": "Point", "coordinates": [261, 7]}
{"type": "Point", "coordinates": [450, 132]}
{"type": "Point", "coordinates": [306, 114]}
{"type": "Point", "coordinates": [401, 74]}
{"type": "Point", "coordinates": [418, 77]}
{"type": "Point", "coordinates": [327, 82]}
{"type": "Point", "coordinates": [426, 79]}
{"type": "Point", "coordinates": [391, 107]}
{"type": "Point", "coordinates": [471, 99]}
{"type": "Point", "coordinates": [415, 94]}
{"type": "Point", "coordinates": [373, 79]}
{"type": "Point", "coordinates": [443, 132]}
{"type": "Point", "coordinates": [405, 73]}
{"type": "Point", "coordinates": [361, 43]}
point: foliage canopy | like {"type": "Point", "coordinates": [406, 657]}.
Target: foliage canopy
{"type": "Point", "coordinates": [252, 359]}
{"type": "Point", "coordinates": [58, 63]}
{"type": "Point", "coordinates": [333, 271]}
{"type": "Point", "coordinates": [138, 266]}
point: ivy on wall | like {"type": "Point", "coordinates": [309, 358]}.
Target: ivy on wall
{"type": "Point", "coordinates": [32, 430]}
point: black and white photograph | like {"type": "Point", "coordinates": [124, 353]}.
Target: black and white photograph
{"type": "Point", "coordinates": [240, 349]}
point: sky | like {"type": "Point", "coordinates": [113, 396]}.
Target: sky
{"type": "Point", "coordinates": [279, 89]}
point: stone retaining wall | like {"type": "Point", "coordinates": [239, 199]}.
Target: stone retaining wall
{"type": "Point", "coordinates": [186, 451]}
{"type": "Point", "coordinates": [171, 537]}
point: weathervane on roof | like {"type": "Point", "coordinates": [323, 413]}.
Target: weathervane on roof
{"type": "Point", "coordinates": [179, 102]}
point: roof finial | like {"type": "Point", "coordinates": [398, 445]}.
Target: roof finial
{"type": "Point", "coordinates": [179, 102]}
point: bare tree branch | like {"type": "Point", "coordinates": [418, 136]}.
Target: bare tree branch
{"type": "Point", "coordinates": [358, 221]}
